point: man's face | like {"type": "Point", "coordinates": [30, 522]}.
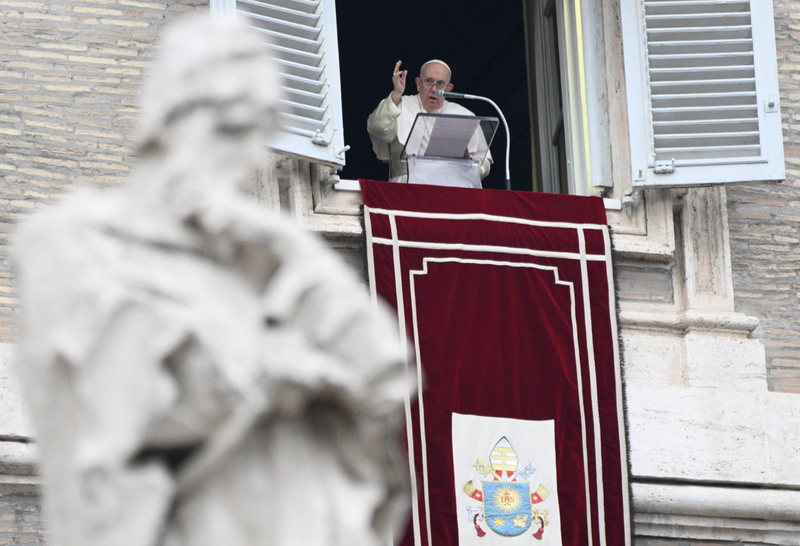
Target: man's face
{"type": "Point", "coordinates": [436, 75]}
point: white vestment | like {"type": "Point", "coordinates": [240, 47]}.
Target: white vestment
{"type": "Point", "coordinates": [389, 126]}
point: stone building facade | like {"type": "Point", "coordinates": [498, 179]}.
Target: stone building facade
{"type": "Point", "coordinates": [707, 278]}
{"type": "Point", "coordinates": [70, 74]}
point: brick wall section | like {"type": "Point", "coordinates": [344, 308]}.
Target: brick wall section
{"type": "Point", "coordinates": [70, 73]}
{"type": "Point", "coordinates": [21, 522]}
{"type": "Point", "coordinates": [765, 226]}
{"type": "Point", "coordinates": [643, 281]}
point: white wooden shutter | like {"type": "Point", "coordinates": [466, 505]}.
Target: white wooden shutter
{"type": "Point", "coordinates": [702, 87]}
{"type": "Point", "coordinates": [302, 35]}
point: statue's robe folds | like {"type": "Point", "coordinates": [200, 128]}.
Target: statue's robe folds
{"type": "Point", "coordinates": [222, 379]}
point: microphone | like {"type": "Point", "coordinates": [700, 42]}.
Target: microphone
{"type": "Point", "coordinates": [450, 95]}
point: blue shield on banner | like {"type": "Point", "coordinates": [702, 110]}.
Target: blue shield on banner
{"type": "Point", "coordinates": [507, 507]}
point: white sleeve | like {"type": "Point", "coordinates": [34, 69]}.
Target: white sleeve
{"type": "Point", "coordinates": [486, 165]}
{"type": "Point", "coordinates": [382, 122]}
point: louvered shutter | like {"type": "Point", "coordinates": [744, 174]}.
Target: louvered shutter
{"type": "Point", "coordinates": [302, 35]}
{"type": "Point", "coordinates": [702, 88]}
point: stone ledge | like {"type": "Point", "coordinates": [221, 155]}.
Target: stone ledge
{"type": "Point", "coordinates": [335, 226]}
{"type": "Point", "coordinates": [718, 501]}
{"type": "Point", "coordinates": [17, 462]}
{"type": "Point", "coordinates": [719, 513]}
{"type": "Point", "coordinates": [681, 323]}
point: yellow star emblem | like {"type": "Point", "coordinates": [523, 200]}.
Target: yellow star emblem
{"type": "Point", "coordinates": [498, 522]}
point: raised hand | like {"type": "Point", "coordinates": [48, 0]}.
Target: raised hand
{"type": "Point", "coordinates": [398, 82]}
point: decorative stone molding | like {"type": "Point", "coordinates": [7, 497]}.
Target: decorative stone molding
{"type": "Point", "coordinates": [645, 229]}
{"type": "Point", "coordinates": [308, 194]}
{"type": "Point", "coordinates": [708, 280]}
{"type": "Point", "coordinates": [334, 196]}
{"type": "Point", "coordinates": [18, 463]}
{"type": "Point", "coordinates": [758, 516]}
{"type": "Point", "coordinates": [732, 502]}
{"type": "Point", "coordinates": [713, 453]}
{"type": "Point", "coordinates": [337, 211]}
{"type": "Point", "coordinates": [683, 323]}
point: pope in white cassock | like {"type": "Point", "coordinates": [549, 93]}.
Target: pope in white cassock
{"type": "Point", "coordinates": [390, 123]}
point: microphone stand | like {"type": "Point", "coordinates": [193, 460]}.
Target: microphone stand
{"type": "Point", "coordinates": [451, 95]}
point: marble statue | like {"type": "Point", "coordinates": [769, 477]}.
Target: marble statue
{"type": "Point", "coordinates": [198, 371]}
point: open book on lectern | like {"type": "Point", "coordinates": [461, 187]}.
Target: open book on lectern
{"type": "Point", "coordinates": [448, 149]}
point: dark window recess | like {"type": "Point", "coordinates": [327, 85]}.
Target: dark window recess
{"type": "Point", "coordinates": [484, 47]}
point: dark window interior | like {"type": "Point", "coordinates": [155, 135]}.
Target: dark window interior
{"type": "Point", "coordinates": [484, 44]}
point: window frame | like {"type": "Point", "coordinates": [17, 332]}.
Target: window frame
{"type": "Point", "coordinates": [584, 93]}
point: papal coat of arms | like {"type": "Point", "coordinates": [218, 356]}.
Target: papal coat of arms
{"type": "Point", "coordinates": [508, 506]}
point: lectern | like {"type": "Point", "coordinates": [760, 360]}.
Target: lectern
{"type": "Point", "coordinates": [448, 149]}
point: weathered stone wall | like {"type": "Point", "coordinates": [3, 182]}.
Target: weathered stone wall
{"type": "Point", "coordinates": [764, 224]}
{"type": "Point", "coordinates": [70, 72]}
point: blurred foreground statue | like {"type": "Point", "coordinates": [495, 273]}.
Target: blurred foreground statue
{"type": "Point", "coordinates": [200, 373]}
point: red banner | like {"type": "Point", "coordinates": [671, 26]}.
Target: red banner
{"type": "Point", "coordinates": [507, 299]}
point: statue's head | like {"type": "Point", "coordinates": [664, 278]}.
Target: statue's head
{"type": "Point", "coordinates": [211, 97]}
